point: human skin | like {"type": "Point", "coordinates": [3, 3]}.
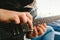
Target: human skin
{"type": "Point", "coordinates": [23, 17]}
{"type": "Point", "coordinates": [40, 29]}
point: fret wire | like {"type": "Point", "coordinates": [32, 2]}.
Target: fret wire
{"type": "Point", "coordinates": [45, 20]}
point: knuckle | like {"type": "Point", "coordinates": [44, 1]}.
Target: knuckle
{"type": "Point", "coordinates": [31, 16]}
{"type": "Point", "coordinates": [14, 17]}
{"type": "Point", "coordinates": [28, 13]}
{"type": "Point", "coordinates": [25, 21]}
{"type": "Point", "coordinates": [31, 21]}
{"type": "Point", "coordinates": [23, 14]}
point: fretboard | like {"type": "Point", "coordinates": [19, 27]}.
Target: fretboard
{"type": "Point", "coordinates": [46, 20]}
{"type": "Point", "coordinates": [40, 21]}
{"type": "Point", "coordinates": [35, 22]}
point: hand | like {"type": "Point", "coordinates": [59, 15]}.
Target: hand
{"type": "Point", "coordinates": [38, 30]}
{"type": "Point", "coordinates": [17, 17]}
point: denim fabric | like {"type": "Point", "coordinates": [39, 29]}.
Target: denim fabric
{"type": "Point", "coordinates": [56, 27]}
{"type": "Point", "coordinates": [49, 35]}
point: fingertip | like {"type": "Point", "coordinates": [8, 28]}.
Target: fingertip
{"type": "Point", "coordinates": [41, 32]}
{"type": "Point", "coordinates": [30, 24]}
{"type": "Point", "coordinates": [36, 32]}
{"type": "Point", "coordinates": [45, 25]}
{"type": "Point", "coordinates": [17, 22]}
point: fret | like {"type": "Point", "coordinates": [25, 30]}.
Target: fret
{"type": "Point", "coordinates": [26, 28]}
{"type": "Point", "coordinates": [40, 21]}
{"type": "Point", "coordinates": [45, 20]}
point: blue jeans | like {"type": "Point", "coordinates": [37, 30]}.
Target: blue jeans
{"type": "Point", "coordinates": [49, 35]}
{"type": "Point", "coordinates": [56, 27]}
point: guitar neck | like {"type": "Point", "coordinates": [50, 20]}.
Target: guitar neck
{"type": "Point", "coordinates": [35, 22]}
{"type": "Point", "coordinates": [40, 21]}
{"type": "Point", "coordinates": [46, 20]}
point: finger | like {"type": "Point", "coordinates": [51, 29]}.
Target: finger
{"type": "Point", "coordinates": [35, 32]}
{"type": "Point", "coordinates": [23, 18]}
{"type": "Point", "coordinates": [29, 15]}
{"type": "Point", "coordinates": [40, 31]}
{"type": "Point", "coordinates": [16, 19]}
{"type": "Point", "coordinates": [31, 35]}
{"type": "Point", "coordinates": [30, 23]}
{"type": "Point", "coordinates": [43, 28]}
{"type": "Point", "coordinates": [42, 25]}
{"type": "Point", "coordinates": [45, 25]}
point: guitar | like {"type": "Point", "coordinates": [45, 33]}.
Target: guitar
{"type": "Point", "coordinates": [41, 20]}
{"type": "Point", "coordinates": [12, 31]}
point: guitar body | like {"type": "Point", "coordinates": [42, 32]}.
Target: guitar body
{"type": "Point", "coordinates": [11, 32]}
